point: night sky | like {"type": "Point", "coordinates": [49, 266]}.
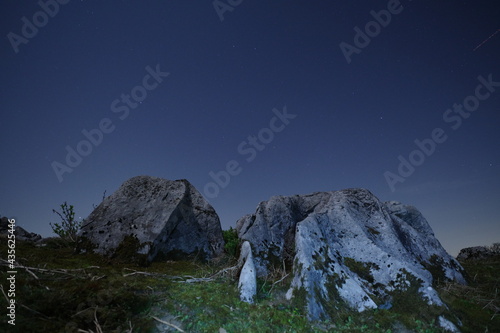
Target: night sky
{"type": "Point", "coordinates": [250, 99]}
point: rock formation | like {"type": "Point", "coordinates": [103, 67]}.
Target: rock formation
{"type": "Point", "coordinates": [247, 283]}
{"type": "Point", "coordinates": [20, 233]}
{"type": "Point", "coordinates": [479, 252]}
{"type": "Point", "coordinates": [156, 218]}
{"type": "Point", "coordinates": [347, 248]}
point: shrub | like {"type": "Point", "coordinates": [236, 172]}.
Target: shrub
{"type": "Point", "coordinates": [232, 241]}
{"type": "Point", "coordinates": [495, 248]}
{"type": "Point", "coordinates": [68, 229]}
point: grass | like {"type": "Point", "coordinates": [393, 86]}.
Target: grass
{"type": "Point", "coordinates": [477, 305]}
{"type": "Point", "coordinates": [66, 292]}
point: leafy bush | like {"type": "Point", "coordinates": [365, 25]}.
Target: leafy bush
{"type": "Point", "coordinates": [68, 229]}
{"type": "Point", "coordinates": [232, 241]}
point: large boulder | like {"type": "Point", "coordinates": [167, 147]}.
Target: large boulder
{"type": "Point", "coordinates": [348, 248]}
{"type": "Point", "coordinates": [155, 218]}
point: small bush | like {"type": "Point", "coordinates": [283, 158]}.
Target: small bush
{"type": "Point", "coordinates": [495, 248]}
{"type": "Point", "coordinates": [69, 228]}
{"type": "Point", "coordinates": [232, 241]}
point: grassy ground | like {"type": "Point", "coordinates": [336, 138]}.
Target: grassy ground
{"type": "Point", "coordinates": [67, 293]}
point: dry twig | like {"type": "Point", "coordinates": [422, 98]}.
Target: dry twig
{"type": "Point", "coordinates": [3, 292]}
{"type": "Point", "coordinates": [168, 324]}
{"type": "Point", "coordinates": [97, 325]}
{"type": "Point", "coordinates": [29, 269]}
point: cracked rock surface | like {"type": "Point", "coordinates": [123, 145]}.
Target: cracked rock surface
{"type": "Point", "coordinates": [160, 218]}
{"type": "Point", "coordinates": [347, 246]}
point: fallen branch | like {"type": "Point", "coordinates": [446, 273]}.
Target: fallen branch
{"type": "Point", "coordinates": [29, 269]}
{"type": "Point", "coordinates": [278, 282]}
{"type": "Point", "coordinates": [225, 270]}
{"type": "Point", "coordinates": [97, 325]}
{"type": "Point", "coordinates": [284, 277]}
{"type": "Point", "coordinates": [184, 279]}
{"type": "Point", "coordinates": [168, 324]}
{"type": "Point", "coordinates": [80, 312]}
{"type": "Point", "coordinates": [5, 295]}
{"type": "Point", "coordinates": [194, 280]}
{"type": "Point", "coordinates": [34, 311]}
{"type": "Point", "coordinates": [134, 272]}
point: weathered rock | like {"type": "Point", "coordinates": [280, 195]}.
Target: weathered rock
{"type": "Point", "coordinates": [247, 283]}
{"type": "Point", "coordinates": [348, 248]}
{"type": "Point", "coordinates": [447, 325]}
{"type": "Point", "coordinates": [158, 218]}
{"type": "Point", "coordinates": [20, 233]}
{"type": "Point", "coordinates": [476, 253]}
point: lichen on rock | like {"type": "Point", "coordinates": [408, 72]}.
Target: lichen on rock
{"type": "Point", "coordinates": [348, 249]}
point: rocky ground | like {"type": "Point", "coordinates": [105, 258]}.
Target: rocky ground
{"type": "Point", "coordinates": [59, 291]}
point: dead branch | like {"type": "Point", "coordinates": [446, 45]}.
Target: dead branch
{"type": "Point", "coordinates": [225, 270]}
{"type": "Point", "coordinates": [184, 278]}
{"type": "Point", "coordinates": [80, 312]}
{"type": "Point", "coordinates": [194, 280]}
{"type": "Point", "coordinates": [168, 324]}
{"type": "Point", "coordinates": [134, 272]}
{"type": "Point", "coordinates": [29, 269]}
{"type": "Point", "coordinates": [97, 325]}
{"type": "Point", "coordinates": [5, 295]}
{"type": "Point", "coordinates": [34, 311]}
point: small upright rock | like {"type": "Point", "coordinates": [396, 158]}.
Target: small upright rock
{"type": "Point", "coordinates": [247, 284]}
{"type": "Point", "coordinates": [155, 218]}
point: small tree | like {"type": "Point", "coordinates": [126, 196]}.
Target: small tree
{"type": "Point", "coordinates": [68, 229]}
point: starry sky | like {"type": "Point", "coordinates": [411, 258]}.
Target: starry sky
{"type": "Point", "coordinates": [250, 99]}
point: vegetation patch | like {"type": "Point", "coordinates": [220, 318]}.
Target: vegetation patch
{"type": "Point", "coordinates": [435, 267]}
{"type": "Point", "coordinates": [362, 269]}
{"type": "Point", "coordinates": [373, 231]}
{"type": "Point", "coordinates": [232, 242]}
{"type": "Point", "coordinates": [127, 251]}
{"type": "Point", "coordinates": [60, 291]}
{"type": "Point", "coordinates": [477, 304]}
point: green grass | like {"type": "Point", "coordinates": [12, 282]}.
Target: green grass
{"type": "Point", "coordinates": [120, 297]}
{"type": "Point", "coordinates": [478, 304]}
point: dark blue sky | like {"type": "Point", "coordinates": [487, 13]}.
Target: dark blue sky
{"type": "Point", "coordinates": [100, 68]}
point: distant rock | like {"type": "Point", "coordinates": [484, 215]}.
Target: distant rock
{"type": "Point", "coordinates": [346, 247]}
{"type": "Point", "coordinates": [154, 218]}
{"type": "Point", "coordinates": [478, 252]}
{"type": "Point", "coordinates": [20, 233]}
